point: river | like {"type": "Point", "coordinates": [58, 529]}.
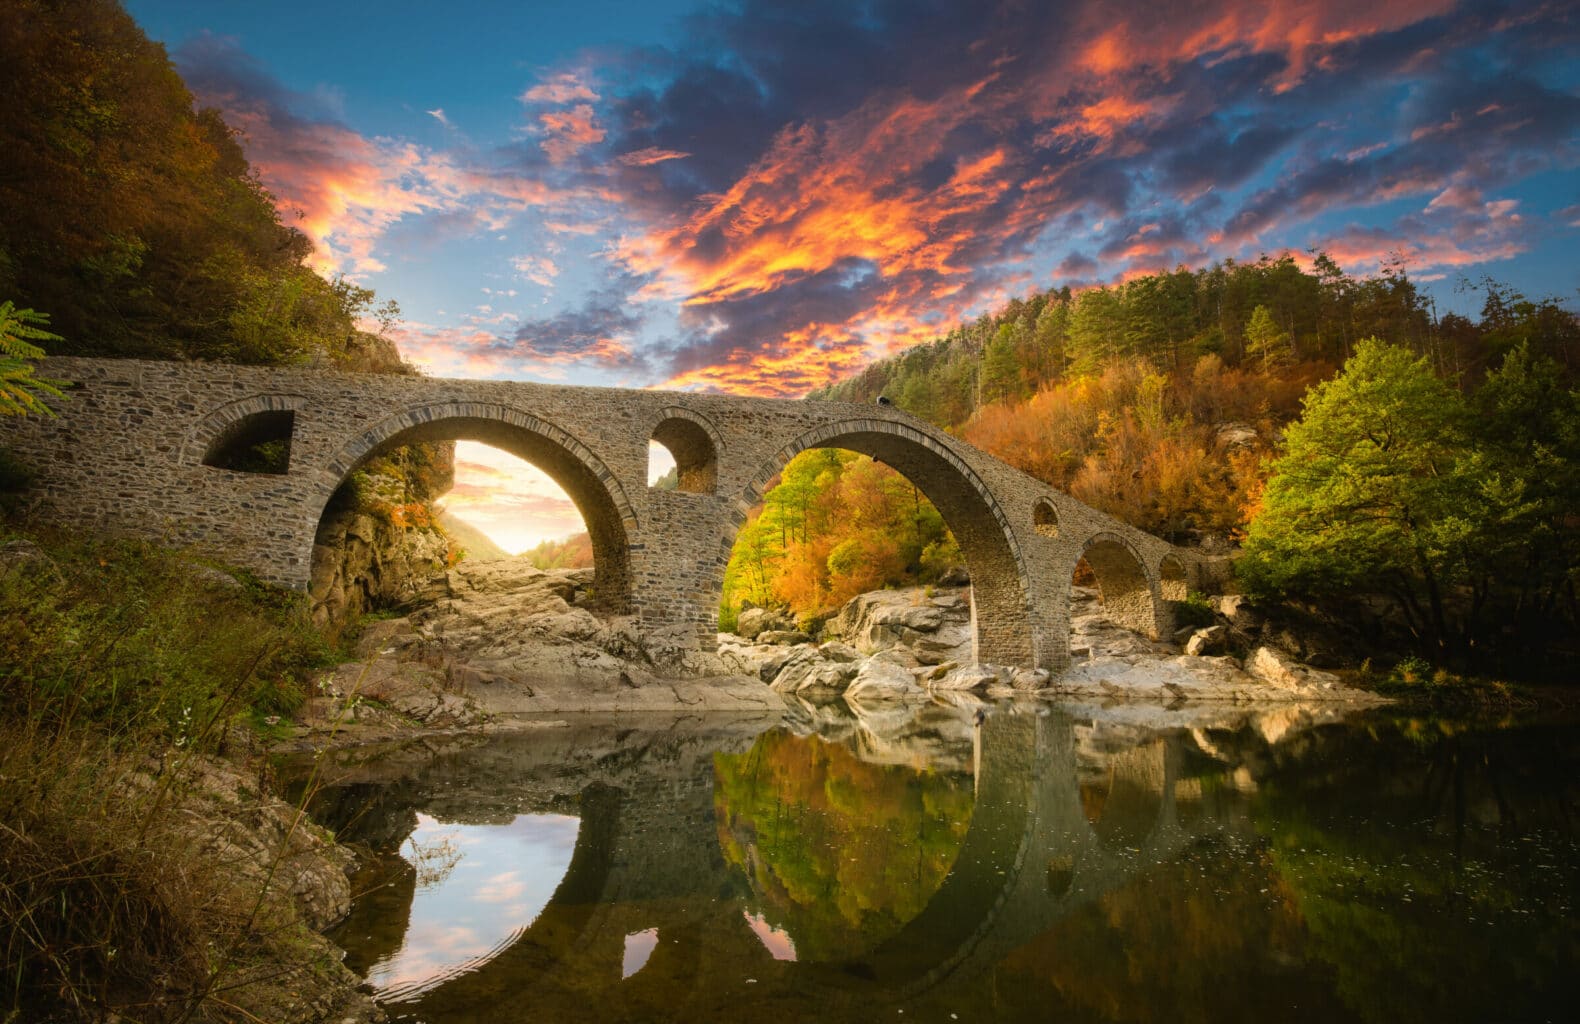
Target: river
{"type": "Point", "coordinates": [1045, 863]}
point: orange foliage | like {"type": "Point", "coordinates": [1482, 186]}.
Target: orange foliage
{"type": "Point", "coordinates": [1147, 449]}
{"type": "Point", "coordinates": [836, 525]}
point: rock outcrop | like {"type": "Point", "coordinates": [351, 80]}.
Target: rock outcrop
{"type": "Point", "coordinates": [490, 638]}
{"type": "Point", "coordinates": [915, 644]}
{"type": "Point", "coordinates": [380, 541]}
{"type": "Point", "coordinates": [294, 869]}
{"type": "Point", "coordinates": [500, 637]}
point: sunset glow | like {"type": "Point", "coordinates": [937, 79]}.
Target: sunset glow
{"type": "Point", "coordinates": [762, 197]}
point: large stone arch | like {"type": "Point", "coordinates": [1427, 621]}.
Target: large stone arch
{"type": "Point", "coordinates": [1129, 593]}
{"type": "Point", "coordinates": [1001, 612]}
{"type": "Point", "coordinates": [596, 492]}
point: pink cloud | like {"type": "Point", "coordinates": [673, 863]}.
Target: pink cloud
{"type": "Point", "coordinates": [651, 155]}
{"type": "Point", "coordinates": [568, 132]}
{"type": "Point", "coordinates": [566, 87]}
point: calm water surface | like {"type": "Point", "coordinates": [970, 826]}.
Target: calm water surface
{"type": "Point", "coordinates": [1048, 865]}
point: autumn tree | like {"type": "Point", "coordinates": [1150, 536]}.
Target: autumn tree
{"type": "Point", "coordinates": [134, 219]}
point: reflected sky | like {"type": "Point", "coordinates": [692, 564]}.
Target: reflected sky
{"type": "Point", "coordinates": [478, 886]}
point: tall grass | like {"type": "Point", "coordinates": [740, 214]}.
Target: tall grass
{"type": "Point", "coordinates": [124, 893]}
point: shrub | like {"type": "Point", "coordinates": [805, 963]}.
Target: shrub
{"type": "Point", "coordinates": [1194, 611]}
{"type": "Point", "coordinates": [146, 645]}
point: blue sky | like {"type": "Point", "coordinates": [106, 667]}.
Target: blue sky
{"type": "Point", "coordinates": [762, 197]}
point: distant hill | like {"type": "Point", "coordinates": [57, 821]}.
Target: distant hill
{"type": "Point", "coordinates": [471, 540]}
{"type": "Point", "coordinates": [573, 552]}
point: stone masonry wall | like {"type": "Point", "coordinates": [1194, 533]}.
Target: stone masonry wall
{"type": "Point", "coordinates": [126, 454]}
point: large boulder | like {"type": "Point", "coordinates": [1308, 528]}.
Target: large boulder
{"type": "Point", "coordinates": [753, 621]}
{"type": "Point", "coordinates": [880, 679]}
{"type": "Point", "coordinates": [807, 670]}
{"type": "Point", "coordinates": [1030, 679]}
{"type": "Point", "coordinates": [783, 637]}
{"type": "Point", "coordinates": [969, 677]}
{"type": "Point", "coordinates": [1235, 437]}
{"type": "Point", "coordinates": [1277, 669]}
{"type": "Point", "coordinates": [884, 618]}
{"type": "Point", "coordinates": [1207, 641]}
{"type": "Point", "coordinates": [27, 560]}
{"type": "Point", "coordinates": [836, 651]}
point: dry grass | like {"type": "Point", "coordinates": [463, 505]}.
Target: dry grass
{"type": "Point", "coordinates": [140, 876]}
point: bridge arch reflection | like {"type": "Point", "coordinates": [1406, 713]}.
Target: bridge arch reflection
{"type": "Point", "coordinates": [648, 858]}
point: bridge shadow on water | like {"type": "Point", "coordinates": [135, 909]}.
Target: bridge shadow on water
{"type": "Point", "coordinates": [1043, 864]}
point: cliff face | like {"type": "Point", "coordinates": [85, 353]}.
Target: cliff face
{"type": "Point", "coordinates": [380, 538]}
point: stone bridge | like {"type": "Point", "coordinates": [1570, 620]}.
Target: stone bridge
{"type": "Point", "coordinates": [145, 448]}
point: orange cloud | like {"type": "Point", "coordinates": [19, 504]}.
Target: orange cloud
{"type": "Point", "coordinates": [340, 188]}
{"type": "Point", "coordinates": [568, 132]}
{"type": "Point", "coordinates": [824, 194]}
{"type": "Point", "coordinates": [1301, 32]}
{"type": "Point", "coordinates": [651, 155]}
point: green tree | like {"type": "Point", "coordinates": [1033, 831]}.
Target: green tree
{"type": "Point", "coordinates": [1527, 428]}
{"type": "Point", "coordinates": [1095, 332]}
{"type": "Point", "coordinates": [1000, 367]}
{"type": "Point", "coordinates": [1264, 340]}
{"type": "Point", "coordinates": [1374, 492]}
{"type": "Point", "coordinates": [20, 388]}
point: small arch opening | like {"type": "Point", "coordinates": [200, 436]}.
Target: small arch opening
{"type": "Point", "coordinates": [692, 457]}
{"type": "Point", "coordinates": [1045, 518]}
{"type": "Point", "coordinates": [1173, 584]}
{"type": "Point", "coordinates": [259, 442]}
{"type": "Point", "coordinates": [662, 475]}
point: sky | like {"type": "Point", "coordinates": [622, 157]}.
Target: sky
{"type": "Point", "coordinates": [763, 197]}
{"type": "Point", "coordinates": [478, 888]}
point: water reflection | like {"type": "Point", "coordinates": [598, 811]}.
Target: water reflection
{"type": "Point", "coordinates": [477, 887]}
{"type": "Point", "coordinates": [839, 853]}
{"type": "Point", "coordinates": [1047, 866]}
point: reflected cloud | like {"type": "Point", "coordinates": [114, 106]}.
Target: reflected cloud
{"type": "Point", "coordinates": [458, 924]}
{"type": "Point", "coordinates": [776, 941]}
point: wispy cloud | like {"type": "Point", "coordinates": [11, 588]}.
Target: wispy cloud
{"type": "Point", "coordinates": [346, 190]}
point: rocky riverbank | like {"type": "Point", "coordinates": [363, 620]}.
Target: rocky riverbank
{"type": "Point", "coordinates": [498, 645]}
{"type": "Point", "coordinates": [488, 641]}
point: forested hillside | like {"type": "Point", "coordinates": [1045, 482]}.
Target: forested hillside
{"type": "Point", "coordinates": [1165, 401]}
{"type": "Point", "coordinates": [1267, 315]}
{"type": "Point", "coordinates": [134, 220]}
